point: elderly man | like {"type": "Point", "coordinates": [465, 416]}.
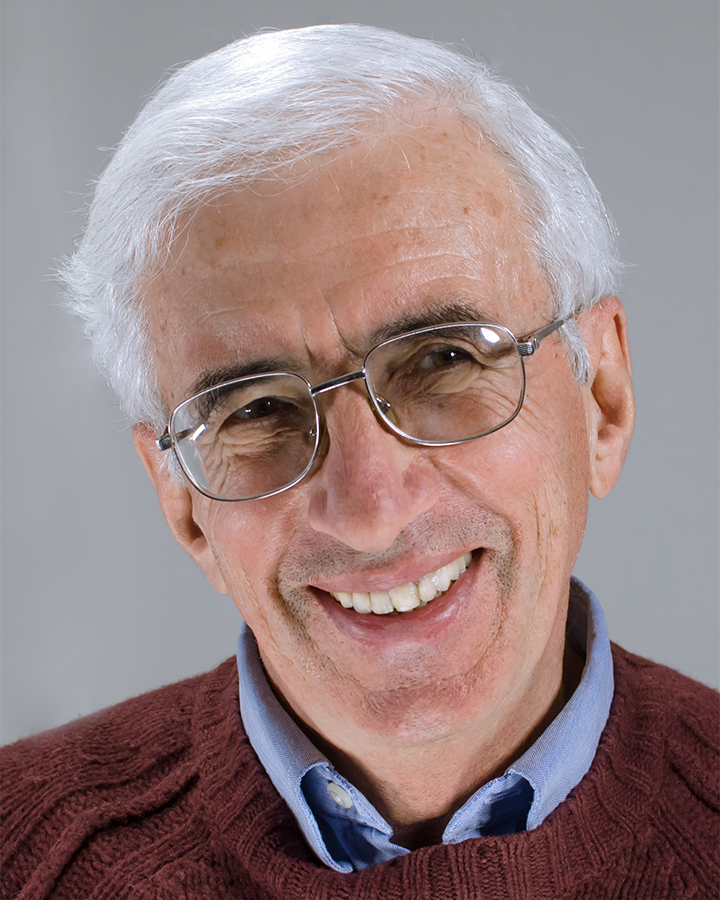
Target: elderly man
{"type": "Point", "coordinates": [357, 299]}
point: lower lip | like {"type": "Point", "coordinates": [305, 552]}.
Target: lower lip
{"type": "Point", "coordinates": [423, 623]}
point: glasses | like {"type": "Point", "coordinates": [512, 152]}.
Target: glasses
{"type": "Point", "coordinates": [257, 436]}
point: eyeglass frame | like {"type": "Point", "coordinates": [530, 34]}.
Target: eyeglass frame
{"type": "Point", "coordinates": [525, 346]}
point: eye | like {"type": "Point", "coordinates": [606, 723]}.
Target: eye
{"type": "Point", "coordinates": [444, 356]}
{"type": "Point", "coordinates": [264, 415]}
{"type": "Point", "coordinates": [261, 408]}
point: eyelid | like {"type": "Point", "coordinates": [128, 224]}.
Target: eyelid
{"type": "Point", "coordinates": [220, 376]}
{"type": "Point", "coordinates": [448, 331]}
{"type": "Point", "coordinates": [208, 401]}
{"type": "Point", "coordinates": [216, 394]}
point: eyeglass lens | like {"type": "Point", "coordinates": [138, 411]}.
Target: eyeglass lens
{"type": "Point", "coordinates": [256, 436]}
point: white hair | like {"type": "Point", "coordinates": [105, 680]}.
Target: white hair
{"type": "Point", "coordinates": [260, 106]}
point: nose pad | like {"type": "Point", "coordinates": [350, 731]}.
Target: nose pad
{"type": "Point", "coordinates": [382, 403]}
{"type": "Point", "coordinates": [323, 444]}
{"type": "Point", "coordinates": [387, 411]}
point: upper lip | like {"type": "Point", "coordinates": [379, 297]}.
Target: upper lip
{"type": "Point", "coordinates": [385, 578]}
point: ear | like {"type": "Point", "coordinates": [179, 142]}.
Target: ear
{"type": "Point", "coordinates": [176, 502]}
{"type": "Point", "coordinates": [611, 412]}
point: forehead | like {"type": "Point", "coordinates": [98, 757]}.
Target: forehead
{"type": "Point", "coordinates": [306, 273]}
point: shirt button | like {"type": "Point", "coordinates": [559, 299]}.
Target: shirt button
{"type": "Point", "coordinates": [339, 795]}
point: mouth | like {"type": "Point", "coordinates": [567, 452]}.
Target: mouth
{"type": "Point", "coordinates": [405, 597]}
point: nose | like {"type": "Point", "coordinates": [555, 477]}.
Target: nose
{"type": "Point", "coordinates": [370, 485]}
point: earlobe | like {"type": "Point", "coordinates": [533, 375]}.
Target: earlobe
{"type": "Point", "coordinates": [611, 415]}
{"type": "Point", "coordinates": [176, 502]}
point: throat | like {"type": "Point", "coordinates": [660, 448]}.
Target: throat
{"type": "Point", "coordinates": [421, 834]}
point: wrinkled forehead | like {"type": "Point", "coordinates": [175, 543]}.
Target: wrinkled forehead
{"type": "Point", "coordinates": [423, 217]}
{"type": "Point", "coordinates": [417, 177]}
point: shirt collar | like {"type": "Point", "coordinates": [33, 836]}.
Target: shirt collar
{"type": "Point", "coordinates": [286, 754]}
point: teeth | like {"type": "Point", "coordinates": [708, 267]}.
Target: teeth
{"type": "Point", "coordinates": [406, 596]}
{"type": "Point", "coordinates": [381, 603]}
{"type": "Point", "coordinates": [361, 603]}
{"type": "Point", "coordinates": [453, 571]}
{"type": "Point", "coordinates": [441, 579]}
{"type": "Point", "coordinates": [427, 589]}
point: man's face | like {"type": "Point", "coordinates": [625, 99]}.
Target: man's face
{"type": "Point", "coordinates": [306, 275]}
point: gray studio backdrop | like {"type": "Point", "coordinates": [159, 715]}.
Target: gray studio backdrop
{"type": "Point", "coordinates": [98, 602]}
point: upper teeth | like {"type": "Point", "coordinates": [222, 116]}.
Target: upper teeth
{"type": "Point", "coordinates": [406, 596]}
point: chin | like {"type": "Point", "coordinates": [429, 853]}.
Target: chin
{"type": "Point", "coordinates": [414, 714]}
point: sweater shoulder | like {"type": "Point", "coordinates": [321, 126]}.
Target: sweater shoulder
{"type": "Point", "coordinates": [682, 698]}
{"type": "Point", "coordinates": [681, 714]}
{"type": "Point", "coordinates": [134, 761]}
{"type": "Point", "coordinates": [130, 734]}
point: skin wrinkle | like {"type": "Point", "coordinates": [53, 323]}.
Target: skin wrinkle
{"type": "Point", "coordinates": [492, 665]}
{"type": "Point", "coordinates": [426, 229]}
{"type": "Point", "coordinates": [344, 244]}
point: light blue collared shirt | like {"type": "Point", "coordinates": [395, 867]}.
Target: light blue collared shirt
{"type": "Point", "coordinates": [355, 836]}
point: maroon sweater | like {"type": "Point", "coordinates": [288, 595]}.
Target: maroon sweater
{"type": "Point", "coordinates": [162, 797]}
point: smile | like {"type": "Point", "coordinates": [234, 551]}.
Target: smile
{"type": "Point", "coordinates": [405, 597]}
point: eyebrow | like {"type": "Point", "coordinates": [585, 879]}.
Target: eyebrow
{"type": "Point", "coordinates": [447, 314]}
{"type": "Point", "coordinates": [214, 377]}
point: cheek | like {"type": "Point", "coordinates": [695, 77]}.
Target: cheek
{"type": "Point", "coordinates": [248, 540]}
{"type": "Point", "coordinates": [534, 473]}
{"type": "Point", "coordinates": [559, 479]}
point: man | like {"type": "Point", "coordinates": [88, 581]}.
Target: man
{"type": "Point", "coordinates": [358, 301]}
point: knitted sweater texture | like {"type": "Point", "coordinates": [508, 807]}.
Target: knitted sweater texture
{"type": "Point", "coordinates": [162, 797]}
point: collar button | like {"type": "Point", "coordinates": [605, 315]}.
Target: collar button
{"type": "Point", "coordinates": [339, 795]}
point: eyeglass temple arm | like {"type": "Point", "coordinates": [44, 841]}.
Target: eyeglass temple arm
{"type": "Point", "coordinates": [164, 442]}
{"type": "Point", "coordinates": [529, 345]}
